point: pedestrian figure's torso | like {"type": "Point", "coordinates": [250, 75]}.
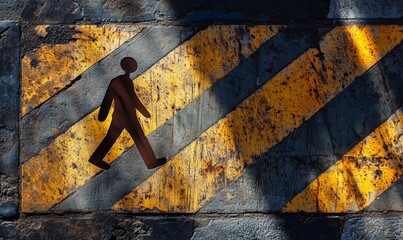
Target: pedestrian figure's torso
{"type": "Point", "coordinates": [122, 92]}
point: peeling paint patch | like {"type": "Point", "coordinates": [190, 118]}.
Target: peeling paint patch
{"type": "Point", "coordinates": [41, 30]}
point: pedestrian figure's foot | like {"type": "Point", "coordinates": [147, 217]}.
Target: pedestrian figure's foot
{"type": "Point", "coordinates": [159, 162]}
{"type": "Point", "coordinates": [162, 161]}
{"type": "Point", "coordinates": [100, 164]}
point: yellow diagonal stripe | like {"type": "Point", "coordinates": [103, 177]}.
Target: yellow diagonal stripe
{"type": "Point", "coordinates": [362, 175]}
{"type": "Point", "coordinates": [50, 68]}
{"type": "Point", "coordinates": [165, 88]}
{"type": "Point", "coordinates": [191, 178]}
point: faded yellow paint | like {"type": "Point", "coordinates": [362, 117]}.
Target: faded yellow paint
{"type": "Point", "coordinates": [219, 155]}
{"type": "Point", "coordinates": [165, 88]}
{"type": "Point", "coordinates": [50, 68]}
{"type": "Point", "coordinates": [41, 30]}
{"type": "Point", "coordinates": [362, 175]}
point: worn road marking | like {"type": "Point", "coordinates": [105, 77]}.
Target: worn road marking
{"type": "Point", "coordinates": [361, 176]}
{"type": "Point", "coordinates": [167, 87]}
{"type": "Point", "coordinates": [194, 119]}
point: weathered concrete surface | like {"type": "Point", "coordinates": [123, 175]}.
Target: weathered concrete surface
{"type": "Point", "coordinates": [9, 85]}
{"type": "Point", "coordinates": [270, 227]}
{"type": "Point", "coordinates": [362, 9]}
{"type": "Point", "coordinates": [97, 226]}
{"type": "Point", "coordinates": [11, 9]}
{"type": "Point", "coordinates": [373, 228]}
{"type": "Point", "coordinates": [8, 196]}
{"type": "Point", "coordinates": [9, 109]}
{"type": "Point", "coordinates": [251, 226]}
{"type": "Point", "coordinates": [59, 11]}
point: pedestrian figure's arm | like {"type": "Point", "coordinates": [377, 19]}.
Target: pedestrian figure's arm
{"type": "Point", "coordinates": [139, 105]}
{"type": "Point", "coordinates": [105, 106]}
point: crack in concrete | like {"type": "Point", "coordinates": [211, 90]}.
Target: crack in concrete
{"type": "Point", "coordinates": [3, 33]}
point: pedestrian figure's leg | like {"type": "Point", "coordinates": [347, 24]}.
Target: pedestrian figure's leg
{"type": "Point", "coordinates": [104, 147]}
{"type": "Point", "coordinates": [144, 147]}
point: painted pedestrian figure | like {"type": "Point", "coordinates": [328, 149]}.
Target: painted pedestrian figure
{"type": "Point", "coordinates": [121, 91]}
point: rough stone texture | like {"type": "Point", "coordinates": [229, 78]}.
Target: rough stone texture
{"type": "Point", "coordinates": [97, 226]}
{"type": "Point", "coordinates": [373, 228]}
{"type": "Point", "coordinates": [47, 11]}
{"type": "Point", "coordinates": [111, 226]}
{"type": "Point", "coordinates": [8, 196]}
{"type": "Point", "coordinates": [59, 11]}
{"type": "Point", "coordinates": [365, 9]}
{"type": "Point", "coordinates": [94, 10]}
{"type": "Point", "coordinates": [9, 85]}
{"type": "Point", "coordinates": [196, 10]}
{"type": "Point", "coordinates": [287, 227]}
{"type": "Point", "coordinates": [11, 9]}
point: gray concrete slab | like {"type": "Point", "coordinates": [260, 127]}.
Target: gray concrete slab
{"type": "Point", "coordinates": [9, 115]}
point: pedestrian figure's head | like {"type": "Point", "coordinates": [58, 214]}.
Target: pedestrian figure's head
{"type": "Point", "coordinates": [128, 64]}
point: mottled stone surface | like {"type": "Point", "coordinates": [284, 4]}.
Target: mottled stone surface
{"type": "Point", "coordinates": [8, 196]}
{"type": "Point", "coordinates": [270, 227]}
{"type": "Point", "coordinates": [365, 9]}
{"type": "Point", "coordinates": [150, 10]}
{"type": "Point", "coordinates": [373, 228]}
{"type": "Point", "coordinates": [9, 86]}
{"type": "Point", "coordinates": [97, 226]}
{"type": "Point", "coordinates": [59, 11]}
{"type": "Point", "coordinates": [11, 9]}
